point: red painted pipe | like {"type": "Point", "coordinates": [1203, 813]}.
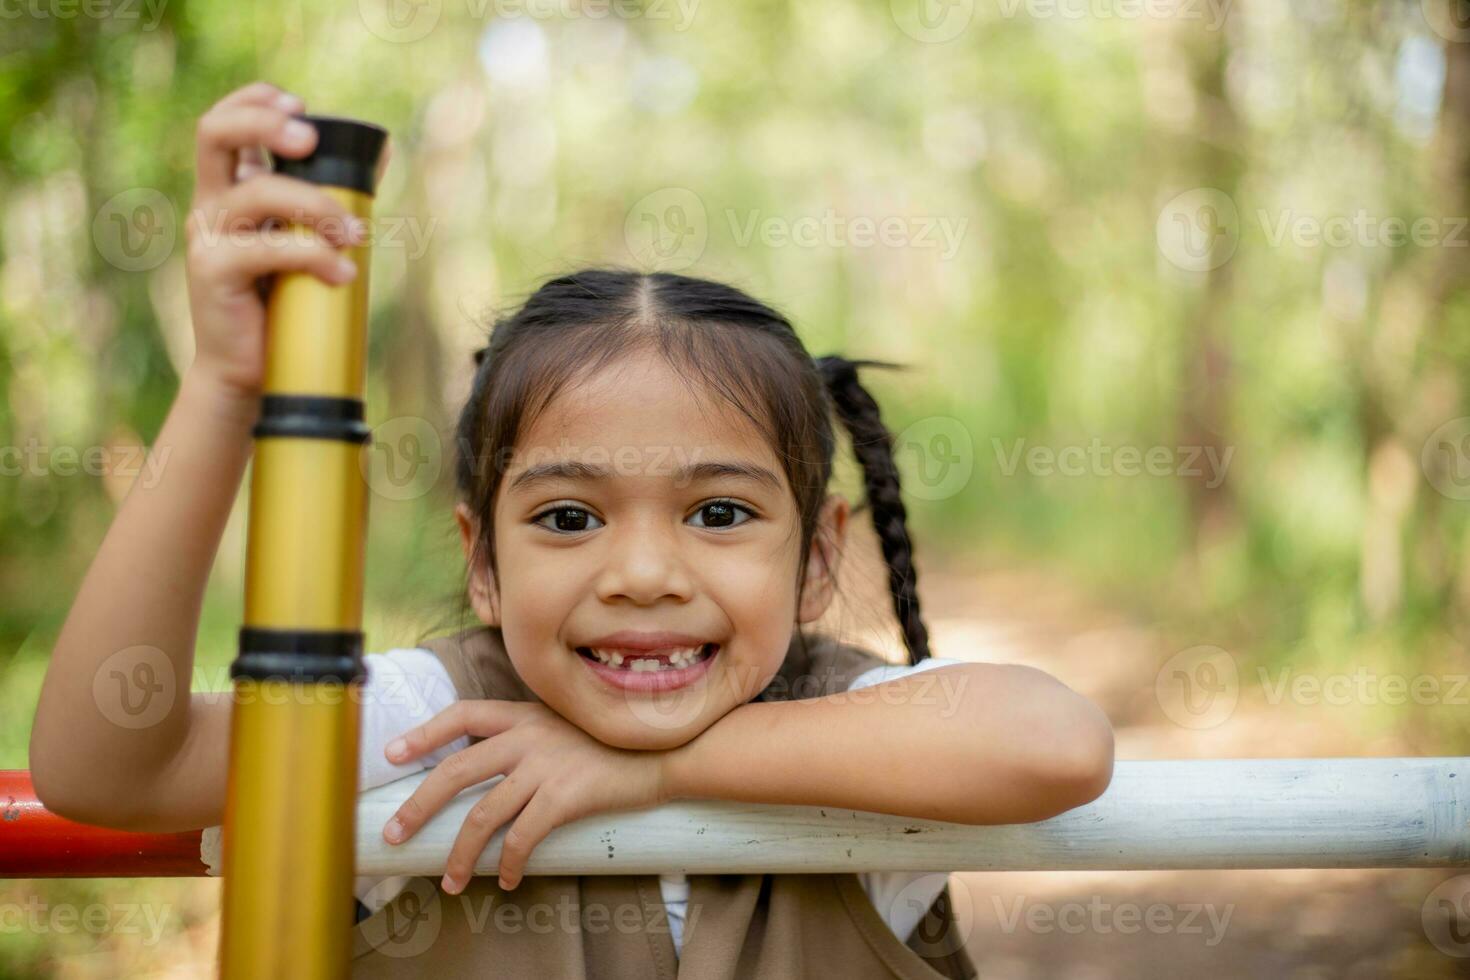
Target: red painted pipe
{"type": "Point", "coordinates": [36, 843]}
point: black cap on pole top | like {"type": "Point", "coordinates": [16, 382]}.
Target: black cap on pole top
{"type": "Point", "coordinates": [346, 154]}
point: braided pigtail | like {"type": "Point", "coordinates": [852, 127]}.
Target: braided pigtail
{"type": "Point", "coordinates": [872, 443]}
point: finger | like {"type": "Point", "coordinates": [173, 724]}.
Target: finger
{"type": "Point", "coordinates": [484, 818]}
{"type": "Point", "coordinates": [478, 718]}
{"type": "Point", "coordinates": [244, 257]}
{"type": "Point", "coordinates": [252, 160]}
{"type": "Point", "coordinates": [252, 164]}
{"type": "Point", "coordinates": [259, 94]}
{"type": "Point", "coordinates": [244, 206]}
{"type": "Point", "coordinates": [263, 93]}
{"type": "Point", "coordinates": [540, 817]}
{"type": "Point", "coordinates": [445, 781]}
{"type": "Point", "coordinates": [225, 130]}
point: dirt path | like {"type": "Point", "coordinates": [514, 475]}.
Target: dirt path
{"type": "Point", "coordinates": [1236, 924]}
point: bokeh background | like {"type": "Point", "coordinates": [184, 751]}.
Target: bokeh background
{"type": "Point", "coordinates": [1180, 284]}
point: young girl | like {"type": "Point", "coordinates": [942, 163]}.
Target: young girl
{"type": "Point", "coordinates": [642, 467]}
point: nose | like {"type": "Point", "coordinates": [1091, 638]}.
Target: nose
{"type": "Point", "coordinates": [644, 563]}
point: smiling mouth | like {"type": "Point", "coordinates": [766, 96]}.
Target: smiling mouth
{"type": "Point", "coordinates": [649, 661]}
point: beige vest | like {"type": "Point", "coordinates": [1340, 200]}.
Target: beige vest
{"type": "Point", "coordinates": [613, 927]}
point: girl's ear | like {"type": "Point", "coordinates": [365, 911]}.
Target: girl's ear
{"type": "Point", "coordinates": [826, 554]}
{"type": "Point", "coordinates": [484, 597]}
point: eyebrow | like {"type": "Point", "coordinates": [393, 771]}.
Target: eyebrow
{"type": "Point", "coordinates": [576, 470]}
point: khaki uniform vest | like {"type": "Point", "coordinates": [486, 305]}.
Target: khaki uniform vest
{"type": "Point", "coordinates": [613, 927]}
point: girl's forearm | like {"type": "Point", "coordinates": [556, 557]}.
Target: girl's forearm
{"type": "Point", "coordinates": [973, 743]}
{"type": "Point", "coordinates": [144, 589]}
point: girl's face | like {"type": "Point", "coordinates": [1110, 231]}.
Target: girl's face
{"type": "Point", "coordinates": [626, 540]}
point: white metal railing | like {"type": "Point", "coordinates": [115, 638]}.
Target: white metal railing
{"type": "Point", "coordinates": [1175, 814]}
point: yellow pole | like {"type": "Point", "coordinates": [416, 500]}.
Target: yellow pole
{"type": "Point", "coordinates": [289, 813]}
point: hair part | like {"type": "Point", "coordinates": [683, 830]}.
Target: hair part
{"type": "Point", "coordinates": [713, 335]}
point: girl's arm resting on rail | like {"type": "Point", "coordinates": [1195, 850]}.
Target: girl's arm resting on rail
{"type": "Point", "coordinates": [95, 755]}
{"type": "Point", "coordinates": [966, 743]}
{"type": "Point", "coordinates": [971, 743]}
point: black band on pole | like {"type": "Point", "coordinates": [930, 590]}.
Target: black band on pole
{"type": "Point", "coordinates": [299, 655]}
{"type": "Point", "coordinates": [346, 154]}
{"type": "Point", "coordinates": [312, 417]}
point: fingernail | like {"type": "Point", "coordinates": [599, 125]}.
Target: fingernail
{"type": "Point", "coordinates": [288, 102]}
{"type": "Point", "coordinates": [393, 830]}
{"type": "Point", "coordinates": [449, 885]}
{"type": "Point", "coordinates": [398, 746]}
{"type": "Point", "coordinates": [298, 131]}
{"type": "Point", "coordinates": [346, 272]}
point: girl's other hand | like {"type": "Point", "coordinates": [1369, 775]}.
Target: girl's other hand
{"type": "Point", "coordinates": [235, 198]}
{"type": "Point", "coordinates": [555, 773]}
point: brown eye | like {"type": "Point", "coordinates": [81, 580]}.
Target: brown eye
{"type": "Point", "coordinates": [721, 513]}
{"type": "Point", "coordinates": [567, 520]}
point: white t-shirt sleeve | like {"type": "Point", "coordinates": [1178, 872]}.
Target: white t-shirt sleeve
{"type": "Point", "coordinates": [901, 897]}
{"type": "Point", "coordinates": [404, 688]}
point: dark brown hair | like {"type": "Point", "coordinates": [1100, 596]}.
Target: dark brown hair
{"type": "Point", "coordinates": [737, 347]}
